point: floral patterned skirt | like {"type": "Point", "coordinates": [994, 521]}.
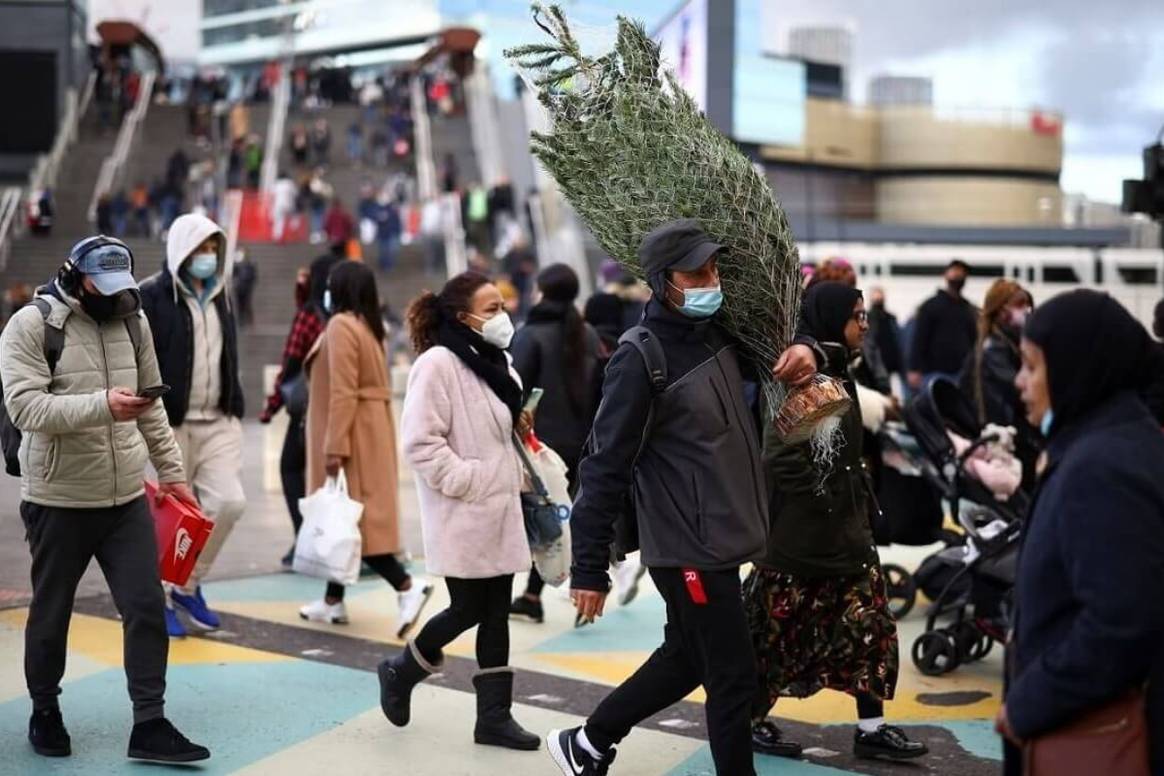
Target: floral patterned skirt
{"type": "Point", "coordinates": [830, 633]}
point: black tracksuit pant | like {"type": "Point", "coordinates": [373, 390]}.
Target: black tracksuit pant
{"type": "Point", "coordinates": [63, 542]}
{"type": "Point", "coordinates": [704, 644]}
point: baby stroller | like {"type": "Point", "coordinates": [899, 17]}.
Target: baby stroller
{"type": "Point", "coordinates": [970, 583]}
{"type": "Point", "coordinates": [910, 507]}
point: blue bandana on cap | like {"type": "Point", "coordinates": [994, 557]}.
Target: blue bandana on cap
{"type": "Point", "coordinates": [109, 267]}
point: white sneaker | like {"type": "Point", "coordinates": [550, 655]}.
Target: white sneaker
{"type": "Point", "coordinates": [412, 602]}
{"type": "Point", "coordinates": [626, 579]}
{"type": "Point", "coordinates": [322, 611]}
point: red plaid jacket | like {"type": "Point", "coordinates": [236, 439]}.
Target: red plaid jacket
{"type": "Point", "coordinates": [305, 330]}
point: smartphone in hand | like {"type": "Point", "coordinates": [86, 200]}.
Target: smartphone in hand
{"type": "Point", "coordinates": [154, 391]}
{"type": "Point", "coordinates": [535, 396]}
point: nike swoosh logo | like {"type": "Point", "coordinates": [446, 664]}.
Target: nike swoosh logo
{"type": "Point", "coordinates": [570, 756]}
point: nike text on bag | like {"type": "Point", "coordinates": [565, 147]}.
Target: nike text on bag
{"type": "Point", "coordinates": [329, 546]}
{"type": "Point", "coordinates": [54, 345]}
{"type": "Point", "coordinates": [182, 532]}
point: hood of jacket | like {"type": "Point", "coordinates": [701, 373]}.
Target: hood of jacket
{"type": "Point", "coordinates": [186, 234]}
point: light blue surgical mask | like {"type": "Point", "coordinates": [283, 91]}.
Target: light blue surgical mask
{"type": "Point", "coordinates": [203, 265]}
{"type": "Point", "coordinates": [327, 301]}
{"type": "Point", "coordinates": [701, 302]}
{"type": "Point", "coordinates": [1045, 423]}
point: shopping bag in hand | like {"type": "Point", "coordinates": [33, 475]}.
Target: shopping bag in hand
{"type": "Point", "coordinates": [551, 558]}
{"type": "Point", "coordinates": [182, 532]}
{"type": "Point", "coordinates": [328, 546]}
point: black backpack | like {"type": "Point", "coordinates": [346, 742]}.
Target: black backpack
{"type": "Point", "coordinates": [54, 345]}
{"type": "Point", "coordinates": [626, 527]}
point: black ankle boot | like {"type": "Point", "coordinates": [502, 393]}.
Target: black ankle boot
{"type": "Point", "coordinates": [47, 734]}
{"type": "Point", "coordinates": [397, 678]}
{"type": "Point", "coordinates": [158, 741]}
{"type": "Point", "coordinates": [495, 724]}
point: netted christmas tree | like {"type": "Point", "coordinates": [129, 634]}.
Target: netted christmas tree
{"type": "Point", "coordinates": [631, 150]}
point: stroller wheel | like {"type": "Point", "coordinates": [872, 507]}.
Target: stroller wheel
{"type": "Point", "coordinates": [936, 653]}
{"type": "Point", "coordinates": [981, 648]}
{"type": "Point", "coordinates": [901, 589]}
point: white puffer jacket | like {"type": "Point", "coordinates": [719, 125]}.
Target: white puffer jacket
{"type": "Point", "coordinates": [73, 453]}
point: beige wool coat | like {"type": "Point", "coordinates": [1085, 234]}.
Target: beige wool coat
{"type": "Point", "coordinates": [349, 414]}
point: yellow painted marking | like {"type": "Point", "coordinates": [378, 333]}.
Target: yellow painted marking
{"type": "Point", "coordinates": [100, 640]}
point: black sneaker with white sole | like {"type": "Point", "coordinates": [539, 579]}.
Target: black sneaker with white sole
{"type": "Point", "coordinates": [158, 741]}
{"type": "Point", "coordinates": [888, 742]}
{"type": "Point", "coordinates": [572, 758]}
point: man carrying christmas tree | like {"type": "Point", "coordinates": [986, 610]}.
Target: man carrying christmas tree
{"type": "Point", "coordinates": [674, 427]}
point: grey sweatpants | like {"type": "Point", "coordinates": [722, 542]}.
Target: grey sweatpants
{"type": "Point", "coordinates": [63, 541]}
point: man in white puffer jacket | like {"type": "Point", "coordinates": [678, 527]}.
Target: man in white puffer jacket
{"type": "Point", "coordinates": [87, 435]}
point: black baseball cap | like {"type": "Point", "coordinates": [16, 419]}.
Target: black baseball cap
{"type": "Point", "coordinates": [679, 245]}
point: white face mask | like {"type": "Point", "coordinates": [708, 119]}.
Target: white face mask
{"type": "Point", "coordinates": [497, 331]}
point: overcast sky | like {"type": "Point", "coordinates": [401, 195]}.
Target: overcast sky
{"type": "Point", "coordinates": [1100, 63]}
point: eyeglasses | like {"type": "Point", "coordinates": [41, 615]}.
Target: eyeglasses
{"type": "Point", "coordinates": [861, 316]}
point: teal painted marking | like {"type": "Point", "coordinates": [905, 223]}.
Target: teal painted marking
{"type": "Point", "coordinates": [976, 736]}
{"type": "Point", "coordinates": [634, 628]}
{"type": "Point", "coordinates": [701, 764]}
{"type": "Point", "coordinates": [243, 712]}
{"type": "Point", "coordinates": [273, 588]}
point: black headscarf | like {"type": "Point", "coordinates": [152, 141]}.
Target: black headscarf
{"type": "Point", "coordinates": [1094, 350]}
{"type": "Point", "coordinates": [826, 309]}
{"type": "Point", "coordinates": [486, 361]}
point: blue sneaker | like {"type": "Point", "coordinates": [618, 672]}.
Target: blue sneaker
{"type": "Point", "coordinates": [174, 626]}
{"type": "Point", "coordinates": [195, 606]}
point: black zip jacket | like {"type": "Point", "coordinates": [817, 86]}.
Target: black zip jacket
{"type": "Point", "coordinates": [173, 332]}
{"type": "Point", "coordinates": [943, 334]}
{"type": "Point", "coordinates": [699, 491]}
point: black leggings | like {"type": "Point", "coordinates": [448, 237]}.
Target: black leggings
{"type": "Point", "coordinates": [869, 706]}
{"type": "Point", "coordinates": [293, 469]}
{"type": "Point", "coordinates": [480, 602]}
{"type": "Point", "coordinates": [386, 566]}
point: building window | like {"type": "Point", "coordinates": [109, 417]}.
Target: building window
{"type": "Point", "coordinates": [264, 28]}
{"type": "Point", "coordinates": [223, 7]}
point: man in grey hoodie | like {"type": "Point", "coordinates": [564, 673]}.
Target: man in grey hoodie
{"type": "Point", "coordinates": [195, 336]}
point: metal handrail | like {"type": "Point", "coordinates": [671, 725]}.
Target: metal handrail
{"type": "Point", "coordinates": [114, 164]}
{"type": "Point", "coordinates": [276, 125]}
{"type": "Point", "coordinates": [422, 131]}
{"type": "Point", "coordinates": [10, 208]}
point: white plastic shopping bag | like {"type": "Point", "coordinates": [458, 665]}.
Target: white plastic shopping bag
{"type": "Point", "coordinates": [368, 231]}
{"type": "Point", "coordinates": [328, 546]}
{"type": "Point", "coordinates": [552, 560]}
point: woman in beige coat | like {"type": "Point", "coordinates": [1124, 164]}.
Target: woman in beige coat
{"type": "Point", "coordinates": [350, 427]}
{"type": "Point", "coordinates": [464, 401]}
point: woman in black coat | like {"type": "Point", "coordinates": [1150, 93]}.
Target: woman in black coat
{"type": "Point", "coordinates": [558, 352]}
{"type": "Point", "coordinates": [816, 604]}
{"type": "Point", "coordinates": [1089, 623]}
{"type": "Point", "coordinates": [988, 375]}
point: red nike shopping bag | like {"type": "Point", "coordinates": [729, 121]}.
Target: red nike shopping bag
{"type": "Point", "coordinates": [182, 532]}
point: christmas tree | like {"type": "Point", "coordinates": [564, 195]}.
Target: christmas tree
{"type": "Point", "coordinates": [631, 150]}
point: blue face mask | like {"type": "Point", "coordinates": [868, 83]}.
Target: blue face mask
{"type": "Point", "coordinates": [701, 302]}
{"type": "Point", "coordinates": [203, 265]}
{"type": "Point", "coordinates": [327, 301]}
{"type": "Point", "coordinates": [1045, 423]}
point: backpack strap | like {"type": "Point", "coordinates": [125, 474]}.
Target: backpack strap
{"type": "Point", "coordinates": [54, 338]}
{"type": "Point", "coordinates": [648, 346]}
{"type": "Point", "coordinates": [133, 327]}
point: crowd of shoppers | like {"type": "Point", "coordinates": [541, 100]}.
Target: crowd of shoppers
{"type": "Point", "coordinates": [653, 412]}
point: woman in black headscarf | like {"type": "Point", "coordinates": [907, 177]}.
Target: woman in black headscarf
{"type": "Point", "coordinates": [1089, 625]}
{"type": "Point", "coordinates": [816, 604]}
